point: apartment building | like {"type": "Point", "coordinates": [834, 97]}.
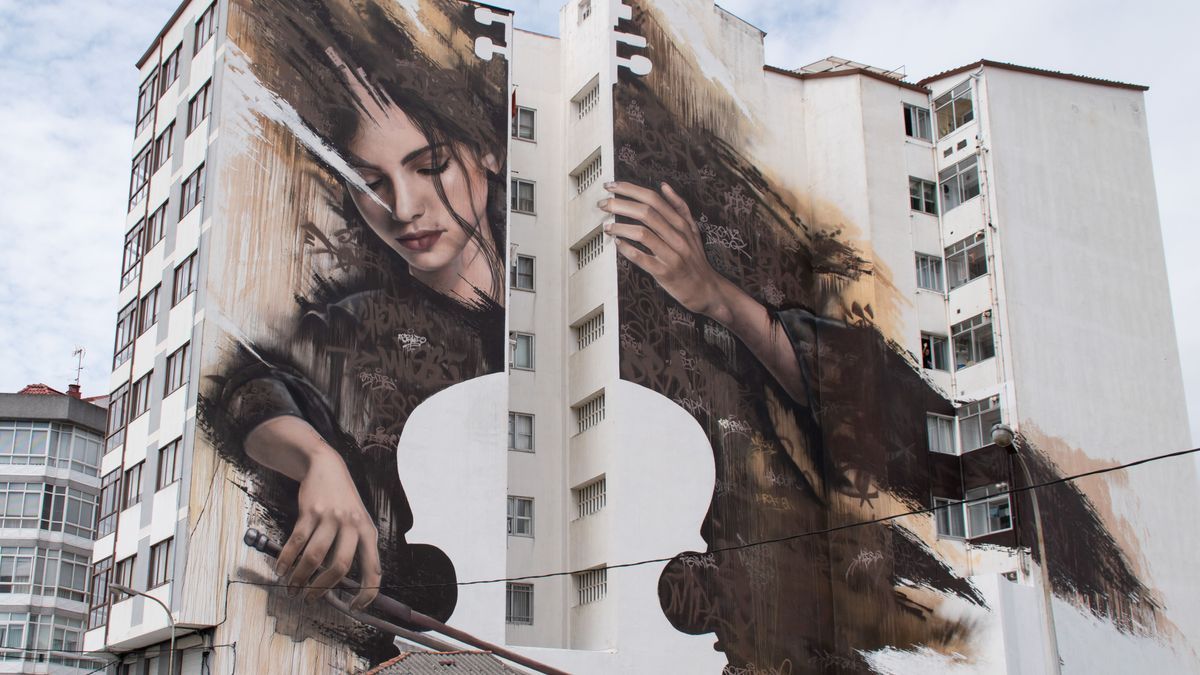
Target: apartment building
{"type": "Point", "coordinates": [50, 446]}
{"type": "Point", "coordinates": [931, 237]}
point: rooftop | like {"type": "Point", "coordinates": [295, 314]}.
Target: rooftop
{"type": "Point", "coordinates": [443, 663]}
{"type": "Point", "coordinates": [1032, 71]}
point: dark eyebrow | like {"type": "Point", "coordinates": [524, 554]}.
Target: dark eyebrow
{"type": "Point", "coordinates": [360, 163]}
{"type": "Point", "coordinates": [432, 147]}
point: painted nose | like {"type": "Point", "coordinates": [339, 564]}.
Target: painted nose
{"type": "Point", "coordinates": [408, 203]}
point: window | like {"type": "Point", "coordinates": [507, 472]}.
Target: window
{"type": "Point", "coordinates": [54, 444]}
{"type": "Point", "coordinates": [990, 515]}
{"type": "Point", "coordinates": [522, 272]}
{"type": "Point", "coordinates": [178, 369]}
{"type": "Point", "coordinates": [949, 518]}
{"type": "Point", "coordinates": [929, 272]}
{"type": "Point", "coordinates": [118, 411]}
{"type": "Point", "coordinates": [966, 260]}
{"type": "Point", "coordinates": [148, 310]}
{"type": "Point", "coordinates": [587, 98]}
{"type": "Point", "coordinates": [916, 122]}
{"type": "Point", "coordinates": [587, 173]}
{"type": "Point", "coordinates": [168, 464]}
{"type": "Point", "coordinates": [922, 195]}
{"type": "Point", "coordinates": [169, 72]}
{"type": "Point", "coordinates": [520, 354]}
{"type": "Point", "coordinates": [126, 329]}
{"type": "Point", "coordinates": [139, 177]}
{"type": "Point", "coordinates": [959, 182]}
{"type": "Point", "coordinates": [590, 498]}
{"type": "Point", "coordinates": [44, 571]}
{"type": "Point", "coordinates": [110, 501]}
{"type": "Point", "coordinates": [589, 250]}
{"type": "Point", "coordinates": [55, 508]}
{"type": "Point", "coordinates": [585, 10]}
{"type": "Point", "coordinates": [519, 604]}
{"type": "Point", "coordinates": [132, 494]}
{"type": "Point", "coordinates": [520, 516]}
{"type": "Point", "coordinates": [973, 341]}
{"type": "Point", "coordinates": [941, 434]}
{"type": "Point", "coordinates": [591, 585]}
{"type": "Point", "coordinates": [185, 280]}
{"type": "Point", "coordinates": [206, 26]}
{"type": "Point", "coordinates": [935, 352]}
{"type": "Point", "coordinates": [191, 193]}
{"type": "Point", "coordinates": [147, 96]}
{"type": "Point", "coordinates": [975, 422]}
{"type": "Point", "coordinates": [98, 603]}
{"type": "Point", "coordinates": [160, 563]}
{"type": "Point", "coordinates": [155, 224]}
{"type": "Point", "coordinates": [139, 396]}
{"type": "Point", "coordinates": [522, 196]}
{"type": "Point", "coordinates": [520, 431]}
{"type": "Point", "coordinates": [523, 123]}
{"type": "Point", "coordinates": [134, 239]}
{"type": "Point", "coordinates": [589, 413]}
{"type": "Point", "coordinates": [953, 109]}
{"type": "Point", "coordinates": [589, 330]}
{"type": "Point", "coordinates": [123, 573]}
{"type": "Point", "coordinates": [162, 146]}
{"type": "Point", "coordinates": [199, 106]}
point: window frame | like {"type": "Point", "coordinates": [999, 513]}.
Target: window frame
{"type": "Point", "coordinates": [139, 174]}
{"type": "Point", "coordinates": [930, 361]}
{"type": "Point", "coordinates": [147, 103]}
{"type": "Point", "coordinates": [199, 107]}
{"type": "Point", "coordinates": [922, 195]}
{"type": "Point", "coordinates": [959, 183]}
{"type": "Point", "coordinates": [205, 28]}
{"type": "Point", "coordinates": [131, 485]}
{"type": "Point", "coordinates": [914, 116]}
{"type": "Point", "coordinates": [974, 502]}
{"type": "Point", "coordinates": [188, 267]}
{"type": "Point", "coordinates": [139, 395]}
{"type": "Point", "coordinates": [191, 192]}
{"type": "Point", "coordinates": [168, 470]}
{"type": "Point", "coordinates": [517, 127]}
{"type": "Point", "coordinates": [178, 370]}
{"type": "Point", "coordinates": [101, 575]}
{"type": "Point", "coordinates": [161, 564]}
{"type": "Point", "coordinates": [959, 256]}
{"type": "Point", "coordinates": [126, 333]}
{"type": "Point", "coordinates": [131, 255]}
{"type": "Point", "coordinates": [520, 524]}
{"type": "Point", "coordinates": [516, 339]}
{"type": "Point", "coordinates": [958, 115]}
{"type": "Point", "coordinates": [514, 435]}
{"type": "Point", "coordinates": [148, 306]}
{"type": "Point", "coordinates": [155, 226]}
{"type": "Point", "coordinates": [511, 591]}
{"type": "Point", "coordinates": [162, 147]}
{"type": "Point", "coordinates": [928, 266]}
{"type": "Point", "coordinates": [515, 273]}
{"type": "Point", "coordinates": [950, 427]}
{"type": "Point", "coordinates": [977, 332]}
{"type": "Point", "coordinates": [515, 202]}
{"type": "Point", "coordinates": [947, 509]}
{"type": "Point", "coordinates": [168, 72]}
{"type": "Point", "coordinates": [978, 417]}
{"type": "Point", "coordinates": [109, 498]}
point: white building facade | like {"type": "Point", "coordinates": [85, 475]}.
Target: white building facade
{"type": "Point", "coordinates": [1001, 229]}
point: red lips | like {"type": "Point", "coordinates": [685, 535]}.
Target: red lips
{"type": "Point", "coordinates": [419, 241]}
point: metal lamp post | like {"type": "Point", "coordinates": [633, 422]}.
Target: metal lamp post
{"type": "Point", "coordinates": [1003, 436]}
{"type": "Point", "coordinates": [125, 590]}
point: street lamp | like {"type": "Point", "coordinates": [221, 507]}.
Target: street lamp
{"type": "Point", "coordinates": [1003, 436]}
{"type": "Point", "coordinates": [119, 589]}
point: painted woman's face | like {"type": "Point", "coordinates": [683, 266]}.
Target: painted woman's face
{"type": "Point", "coordinates": [400, 166]}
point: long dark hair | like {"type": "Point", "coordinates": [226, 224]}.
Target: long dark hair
{"type": "Point", "coordinates": [324, 56]}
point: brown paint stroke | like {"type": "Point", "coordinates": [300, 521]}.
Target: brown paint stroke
{"type": "Point", "coordinates": [854, 448]}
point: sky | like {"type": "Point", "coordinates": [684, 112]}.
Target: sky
{"type": "Point", "coordinates": [68, 89]}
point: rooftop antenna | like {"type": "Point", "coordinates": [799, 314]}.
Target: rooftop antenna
{"type": "Point", "coordinates": [78, 354]}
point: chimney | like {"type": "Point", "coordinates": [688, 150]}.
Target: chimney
{"type": "Point", "coordinates": [73, 391]}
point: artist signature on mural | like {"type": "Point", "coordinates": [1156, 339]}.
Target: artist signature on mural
{"type": "Point", "coordinates": [865, 561]}
{"type": "Point", "coordinates": [699, 560]}
{"type": "Point", "coordinates": [733, 425]}
{"type": "Point", "coordinates": [377, 380]}
{"type": "Point", "coordinates": [784, 668]}
{"type": "Point", "coordinates": [723, 236]}
{"type": "Point", "coordinates": [410, 342]}
{"type": "Point", "coordinates": [680, 317]}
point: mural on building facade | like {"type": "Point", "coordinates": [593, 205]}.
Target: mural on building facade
{"type": "Point", "coordinates": [358, 271]}
{"type": "Point", "coordinates": [777, 339]}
